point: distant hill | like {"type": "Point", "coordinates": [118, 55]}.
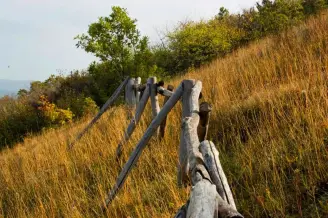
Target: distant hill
{"type": "Point", "coordinates": [10, 87]}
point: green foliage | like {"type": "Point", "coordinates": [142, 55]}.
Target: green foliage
{"type": "Point", "coordinates": [90, 107]}
{"type": "Point", "coordinates": [223, 13]}
{"type": "Point", "coordinates": [115, 39]}
{"type": "Point", "coordinates": [194, 43]}
{"type": "Point", "coordinates": [314, 6]}
{"type": "Point", "coordinates": [274, 16]}
{"type": "Point", "coordinates": [17, 119]}
{"type": "Point", "coordinates": [52, 115]}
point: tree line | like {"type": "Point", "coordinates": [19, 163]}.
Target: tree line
{"type": "Point", "coordinates": [122, 51]}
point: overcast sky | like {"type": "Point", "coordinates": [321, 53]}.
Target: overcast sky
{"type": "Point", "coordinates": [36, 36]}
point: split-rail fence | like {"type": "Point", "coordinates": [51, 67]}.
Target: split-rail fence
{"type": "Point", "coordinates": [199, 160]}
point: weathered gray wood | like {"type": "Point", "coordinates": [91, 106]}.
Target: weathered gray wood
{"type": "Point", "coordinates": [153, 96]}
{"type": "Point", "coordinates": [204, 114]}
{"type": "Point", "coordinates": [137, 82]}
{"type": "Point", "coordinates": [204, 201]}
{"type": "Point", "coordinates": [143, 142]}
{"type": "Point", "coordinates": [130, 97]}
{"type": "Point", "coordinates": [154, 99]}
{"type": "Point", "coordinates": [190, 109]}
{"type": "Point", "coordinates": [103, 109]}
{"type": "Point", "coordinates": [165, 92]}
{"type": "Point", "coordinates": [213, 165]}
{"type": "Point", "coordinates": [163, 124]}
{"type": "Point", "coordinates": [134, 121]}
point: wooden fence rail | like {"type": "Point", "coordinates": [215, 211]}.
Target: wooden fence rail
{"type": "Point", "coordinates": [104, 108]}
{"type": "Point", "coordinates": [199, 162]}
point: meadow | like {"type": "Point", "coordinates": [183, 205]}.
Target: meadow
{"type": "Point", "coordinates": [269, 123]}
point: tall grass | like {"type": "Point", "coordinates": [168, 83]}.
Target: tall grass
{"type": "Point", "coordinates": [270, 124]}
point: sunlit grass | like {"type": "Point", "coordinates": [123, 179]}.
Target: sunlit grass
{"type": "Point", "coordinates": [270, 124]}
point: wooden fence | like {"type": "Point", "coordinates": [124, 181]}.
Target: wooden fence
{"type": "Point", "coordinates": [198, 158]}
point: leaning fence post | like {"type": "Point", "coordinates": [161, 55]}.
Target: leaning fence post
{"type": "Point", "coordinates": [142, 143]}
{"type": "Point", "coordinates": [163, 124]}
{"type": "Point", "coordinates": [134, 121]}
{"type": "Point", "coordinates": [108, 103]}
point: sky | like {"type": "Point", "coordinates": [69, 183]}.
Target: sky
{"type": "Point", "coordinates": [37, 36]}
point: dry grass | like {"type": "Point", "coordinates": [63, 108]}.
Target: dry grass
{"type": "Point", "coordinates": [270, 124]}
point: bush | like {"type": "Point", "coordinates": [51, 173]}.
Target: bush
{"type": "Point", "coordinates": [194, 44]}
{"type": "Point", "coordinates": [17, 119]}
{"type": "Point", "coordinates": [52, 115]}
{"type": "Point", "coordinates": [90, 107]}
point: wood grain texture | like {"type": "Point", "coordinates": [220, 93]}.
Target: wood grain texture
{"type": "Point", "coordinates": [212, 162]}
{"type": "Point", "coordinates": [190, 117]}
{"type": "Point", "coordinates": [204, 201]}
{"type": "Point", "coordinates": [153, 96]}
{"type": "Point", "coordinates": [130, 98]}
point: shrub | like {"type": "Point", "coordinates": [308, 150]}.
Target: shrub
{"type": "Point", "coordinates": [52, 115]}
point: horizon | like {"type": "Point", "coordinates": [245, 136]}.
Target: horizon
{"type": "Point", "coordinates": [30, 50]}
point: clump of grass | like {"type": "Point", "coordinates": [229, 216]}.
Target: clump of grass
{"type": "Point", "coordinates": [270, 124]}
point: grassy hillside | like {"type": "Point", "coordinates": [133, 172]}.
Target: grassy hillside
{"type": "Point", "coordinates": [270, 124]}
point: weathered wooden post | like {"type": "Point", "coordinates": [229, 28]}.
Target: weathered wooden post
{"type": "Point", "coordinates": [130, 97]}
{"type": "Point", "coordinates": [137, 83]}
{"type": "Point", "coordinates": [205, 201]}
{"type": "Point", "coordinates": [152, 82]}
{"type": "Point", "coordinates": [103, 109]}
{"type": "Point", "coordinates": [204, 114]}
{"type": "Point", "coordinates": [153, 96]}
{"type": "Point", "coordinates": [163, 124]}
{"type": "Point", "coordinates": [134, 121]}
{"type": "Point", "coordinates": [189, 108]}
{"type": "Point", "coordinates": [143, 142]}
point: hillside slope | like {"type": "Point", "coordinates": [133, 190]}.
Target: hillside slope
{"type": "Point", "coordinates": [270, 124]}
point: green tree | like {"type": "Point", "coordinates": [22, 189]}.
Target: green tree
{"type": "Point", "coordinates": [223, 13]}
{"type": "Point", "coordinates": [114, 38]}
{"type": "Point", "coordinates": [197, 43]}
{"type": "Point", "coordinates": [273, 16]}
{"type": "Point", "coordinates": [122, 51]}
